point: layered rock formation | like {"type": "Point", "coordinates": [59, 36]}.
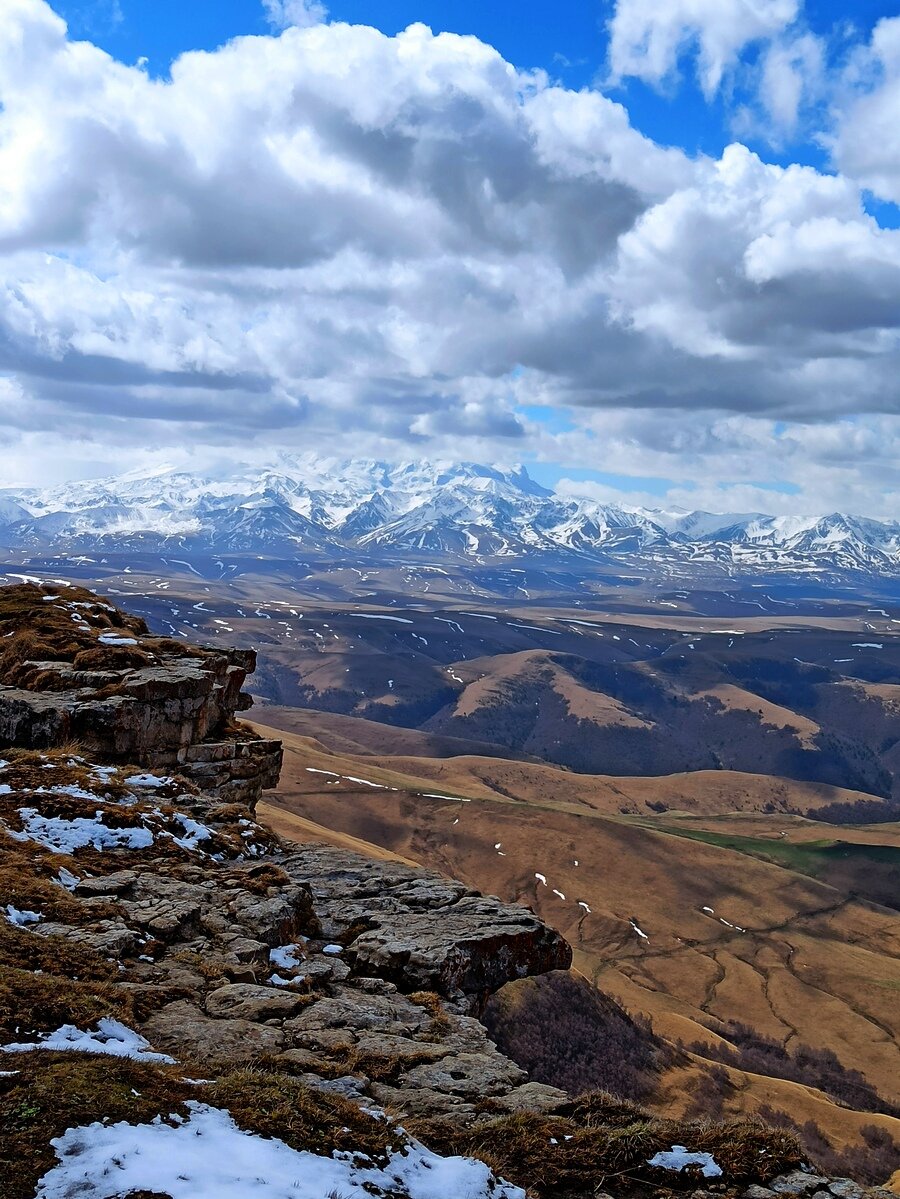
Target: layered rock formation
{"type": "Point", "coordinates": [76, 669]}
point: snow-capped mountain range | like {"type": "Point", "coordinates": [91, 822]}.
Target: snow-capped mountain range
{"type": "Point", "coordinates": [302, 504]}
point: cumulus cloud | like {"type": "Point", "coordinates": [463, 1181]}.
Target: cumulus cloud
{"type": "Point", "coordinates": [649, 39]}
{"type": "Point", "coordinates": [866, 144]}
{"type": "Point", "coordinates": [331, 235]}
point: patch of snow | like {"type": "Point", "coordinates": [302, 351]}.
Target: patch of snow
{"type": "Point", "coordinates": [333, 949]}
{"type": "Point", "coordinates": [378, 616]}
{"type": "Point", "coordinates": [71, 790]}
{"type": "Point", "coordinates": [866, 645]}
{"type": "Point", "coordinates": [284, 956]}
{"type": "Point", "coordinates": [582, 904]}
{"type": "Point", "coordinates": [116, 639]}
{"type": "Point", "coordinates": [111, 1038]}
{"type": "Point", "coordinates": [22, 918]}
{"type": "Point", "coordinates": [679, 1157]}
{"type": "Point", "coordinates": [454, 623]}
{"type": "Point", "coordinates": [65, 836]}
{"type": "Point", "coordinates": [208, 1157]}
{"type": "Point", "coordinates": [194, 832]}
{"type": "Point", "coordinates": [540, 878]}
{"type": "Point", "coordinates": [148, 780]}
{"type": "Point", "coordinates": [640, 932]}
{"type": "Point", "coordinates": [67, 879]}
{"type": "Point", "coordinates": [277, 981]}
{"type": "Point", "coordinates": [559, 893]}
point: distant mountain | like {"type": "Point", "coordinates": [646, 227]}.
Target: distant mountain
{"type": "Point", "coordinates": [303, 504]}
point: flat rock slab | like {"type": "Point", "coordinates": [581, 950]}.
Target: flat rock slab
{"type": "Point", "coordinates": [183, 1029]}
{"type": "Point", "coordinates": [420, 931]}
{"type": "Point", "coordinates": [245, 1001]}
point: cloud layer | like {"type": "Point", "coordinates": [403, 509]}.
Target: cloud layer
{"type": "Point", "coordinates": [332, 234]}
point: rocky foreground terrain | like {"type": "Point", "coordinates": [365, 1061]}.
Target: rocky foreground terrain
{"type": "Point", "coordinates": [191, 1006]}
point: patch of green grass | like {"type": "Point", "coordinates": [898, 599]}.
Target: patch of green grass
{"type": "Point", "coordinates": [814, 858]}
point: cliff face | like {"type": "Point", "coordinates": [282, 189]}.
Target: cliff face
{"type": "Point", "coordinates": [150, 920]}
{"type": "Point", "coordinates": [74, 668]}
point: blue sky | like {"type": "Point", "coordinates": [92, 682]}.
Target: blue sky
{"type": "Point", "coordinates": [690, 295]}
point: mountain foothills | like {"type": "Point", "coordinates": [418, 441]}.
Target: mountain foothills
{"type": "Point", "coordinates": [469, 512]}
{"type": "Point", "coordinates": [192, 1007]}
{"type": "Point", "coordinates": [669, 744]}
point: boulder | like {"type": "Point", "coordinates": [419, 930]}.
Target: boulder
{"type": "Point", "coordinates": [245, 1001]}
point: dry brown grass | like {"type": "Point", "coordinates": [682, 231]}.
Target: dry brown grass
{"type": "Point", "coordinates": [32, 1003]}
{"type": "Point", "coordinates": [601, 1142]}
{"type": "Point", "coordinates": [42, 631]}
{"type": "Point", "coordinates": [277, 1105]}
{"type": "Point", "coordinates": [440, 1021]}
{"type": "Point", "coordinates": [21, 949]}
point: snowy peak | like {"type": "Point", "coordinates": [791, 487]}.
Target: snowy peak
{"type": "Point", "coordinates": [303, 503]}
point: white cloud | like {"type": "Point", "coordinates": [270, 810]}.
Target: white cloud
{"type": "Point", "coordinates": [283, 13]}
{"type": "Point", "coordinates": [336, 237]}
{"type": "Point", "coordinates": [793, 75]}
{"type": "Point", "coordinates": [866, 144]}
{"type": "Point", "coordinates": [648, 39]}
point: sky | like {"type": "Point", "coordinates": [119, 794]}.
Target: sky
{"type": "Point", "coordinates": [651, 249]}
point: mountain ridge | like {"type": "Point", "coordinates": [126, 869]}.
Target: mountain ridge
{"type": "Point", "coordinates": [465, 511]}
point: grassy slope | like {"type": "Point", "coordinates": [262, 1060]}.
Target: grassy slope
{"type": "Point", "coordinates": [814, 966]}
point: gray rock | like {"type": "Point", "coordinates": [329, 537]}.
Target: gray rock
{"type": "Point", "coordinates": [323, 1040]}
{"type": "Point", "coordinates": [472, 1076]}
{"type": "Point", "coordinates": [412, 1102]}
{"type": "Point", "coordinates": [109, 884]}
{"type": "Point", "coordinates": [182, 1029]}
{"type": "Point", "coordinates": [420, 931]}
{"type": "Point", "coordinates": [244, 1001]}
{"type": "Point", "coordinates": [350, 1086]}
{"type": "Point", "coordinates": [111, 938]}
{"type": "Point", "coordinates": [347, 1008]}
{"type": "Point", "coordinates": [798, 1183]}
{"type": "Point", "coordinates": [538, 1097]}
{"type": "Point", "coordinates": [846, 1188]}
{"type": "Point", "coordinates": [403, 1048]}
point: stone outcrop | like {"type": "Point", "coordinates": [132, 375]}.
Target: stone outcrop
{"type": "Point", "coordinates": [423, 932]}
{"type": "Point", "coordinates": [126, 696]}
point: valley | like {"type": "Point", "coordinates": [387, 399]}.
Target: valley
{"type": "Point", "coordinates": [694, 778]}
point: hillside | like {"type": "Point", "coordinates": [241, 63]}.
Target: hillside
{"type": "Point", "coordinates": [187, 1001]}
{"type": "Point", "coordinates": [774, 932]}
